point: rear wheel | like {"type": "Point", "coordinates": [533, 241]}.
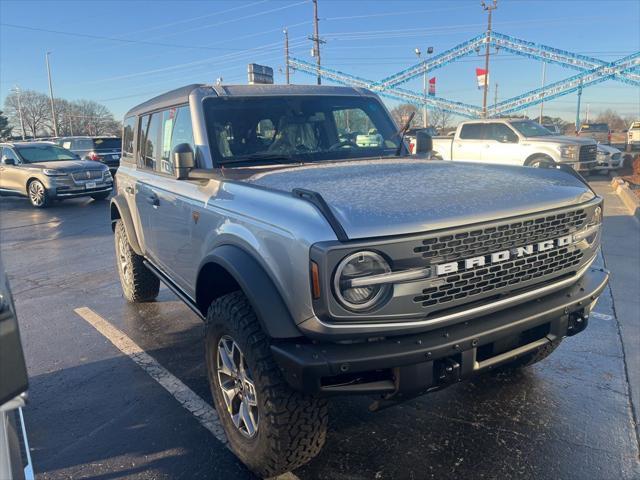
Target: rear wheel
{"type": "Point", "coordinates": [139, 284]}
{"type": "Point", "coordinates": [38, 195]}
{"type": "Point", "coordinates": [271, 428]}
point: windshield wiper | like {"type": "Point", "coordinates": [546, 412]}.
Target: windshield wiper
{"type": "Point", "coordinates": [402, 132]}
{"type": "Point", "coordinates": [271, 158]}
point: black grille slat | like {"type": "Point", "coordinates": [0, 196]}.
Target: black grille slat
{"type": "Point", "coordinates": [449, 248]}
{"type": "Point", "coordinates": [511, 273]}
{"type": "Point", "coordinates": [588, 153]}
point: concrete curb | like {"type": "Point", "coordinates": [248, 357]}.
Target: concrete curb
{"type": "Point", "coordinates": [630, 200]}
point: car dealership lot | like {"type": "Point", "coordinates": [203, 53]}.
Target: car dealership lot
{"type": "Point", "coordinates": [99, 409]}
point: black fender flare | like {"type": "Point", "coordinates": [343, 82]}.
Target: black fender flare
{"type": "Point", "coordinates": [119, 210]}
{"type": "Point", "coordinates": [270, 308]}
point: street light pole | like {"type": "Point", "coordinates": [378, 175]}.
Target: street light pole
{"type": "Point", "coordinates": [286, 55]}
{"type": "Point", "coordinates": [544, 78]}
{"type": "Point", "coordinates": [425, 112]}
{"type": "Point", "coordinates": [490, 9]}
{"type": "Point", "coordinates": [53, 111]}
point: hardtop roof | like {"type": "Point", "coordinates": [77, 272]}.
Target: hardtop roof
{"type": "Point", "coordinates": [181, 95]}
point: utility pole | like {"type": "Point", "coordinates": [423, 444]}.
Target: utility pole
{"type": "Point", "coordinates": [578, 109]}
{"type": "Point", "coordinates": [495, 97]}
{"type": "Point", "coordinates": [490, 9]}
{"type": "Point", "coordinates": [286, 55]}
{"type": "Point", "coordinates": [316, 40]}
{"type": "Point", "coordinates": [17, 89]}
{"type": "Point", "coordinates": [53, 111]}
{"type": "Point", "coordinates": [587, 120]}
{"type": "Point", "coordinates": [425, 112]}
{"type": "Point", "coordinates": [544, 79]}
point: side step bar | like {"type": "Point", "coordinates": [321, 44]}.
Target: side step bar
{"type": "Point", "coordinates": [174, 288]}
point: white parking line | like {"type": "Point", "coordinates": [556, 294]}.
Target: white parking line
{"type": "Point", "coordinates": [204, 413]}
{"type": "Point", "coordinates": [191, 401]}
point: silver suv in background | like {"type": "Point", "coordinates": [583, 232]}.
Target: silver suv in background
{"type": "Point", "coordinates": [326, 266]}
{"type": "Point", "coordinates": [44, 172]}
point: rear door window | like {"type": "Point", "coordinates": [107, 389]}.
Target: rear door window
{"type": "Point", "coordinates": [127, 139]}
{"type": "Point", "coordinates": [473, 131]}
{"type": "Point", "coordinates": [150, 143]}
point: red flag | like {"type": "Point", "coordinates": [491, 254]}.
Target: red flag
{"type": "Point", "coordinates": [432, 87]}
{"type": "Point", "coordinates": [481, 73]}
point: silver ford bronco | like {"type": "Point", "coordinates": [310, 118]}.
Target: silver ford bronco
{"type": "Point", "coordinates": [326, 260]}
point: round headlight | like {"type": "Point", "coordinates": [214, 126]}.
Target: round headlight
{"type": "Point", "coordinates": [359, 296]}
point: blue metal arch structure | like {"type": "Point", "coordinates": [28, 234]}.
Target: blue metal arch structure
{"type": "Point", "coordinates": [591, 71]}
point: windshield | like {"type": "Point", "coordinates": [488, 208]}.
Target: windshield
{"type": "Point", "coordinates": [261, 130]}
{"type": "Point", "coordinates": [530, 129]}
{"type": "Point", "coordinates": [44, 153]}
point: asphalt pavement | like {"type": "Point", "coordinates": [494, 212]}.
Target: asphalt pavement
{"type": "Point", "coordinates": [115, 388]}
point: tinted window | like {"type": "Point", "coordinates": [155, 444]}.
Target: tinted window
{"type": "Point", "coordinates": [82, 144]}
{"type": "Point", "coordinates": [596, 127]}
{"type": "Point", "coordinates": [182, 130]}
{"type": "Point", "coordinates": [107, 143]}
{"type": "Point", "coordinates": [150, 143]}
{"type": "Point", "coordinates": [501, 133]}
{"type": "Point", "coordinates": [44, 153]}
{"type": "Point", "coordinates": [127, 139]}
{"type": "Point", "coordinates": [297, 129]}
{"type": "Point", "coordinates": [530, 129]}
{"type": "Point", "coordinates": [472, 131]}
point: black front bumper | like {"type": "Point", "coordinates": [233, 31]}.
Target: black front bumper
{"type": "Point", "coordinates": [414, 364]}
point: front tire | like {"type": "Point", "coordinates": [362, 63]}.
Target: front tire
{"type": "Point", "coordinates": [540, 161]}
{"type": "Point", "coordinates": [271, 427]}
{"type": "Point", "coordinates": [38, 195]}
{"type": "Point", "coordinates": [139, 284]}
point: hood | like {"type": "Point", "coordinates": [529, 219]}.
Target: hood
{"type": "Point", "coordinates": [563, 140]}
{"type": "Point", "coordinates": [68, 165]}
{"type": "Point", "coordinates": [383, 197]}
{"type": "Point", "coordinates": [607, 150]}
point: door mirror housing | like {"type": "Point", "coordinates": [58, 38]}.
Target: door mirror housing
{"type": "Point", "coordinates": [8, 161]}
{"type": "Point", "coordinates": [424, 142]}
{"type": "Point", "coordinates": [508, 139]}
{"type": "Point", "coordinates": [183, 160]}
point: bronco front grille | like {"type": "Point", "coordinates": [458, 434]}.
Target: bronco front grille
{"type": "Point", "coordinates": [460, 245]}
{"type": "Point", "coordinates": [508, 274]}
{"type": "Point", "coordinates": [588, 153]}
{"type": "Point", "coordinates": [87, 175]}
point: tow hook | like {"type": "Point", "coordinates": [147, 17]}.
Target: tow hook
{"type": "Point", "coordinates": [577, 322]}
{"type": "Point", "coordinates": [448, 371]}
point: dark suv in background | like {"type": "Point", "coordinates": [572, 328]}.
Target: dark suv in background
{"type": "Point", "coordinates": [102, 149]}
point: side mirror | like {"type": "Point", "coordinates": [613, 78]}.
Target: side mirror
{"type": "Point", "coordinates": [183, 160]}
{"type": "Point", "coordinates": [424, 142]}
{"type": "Point", "coordinates": [8, 161]}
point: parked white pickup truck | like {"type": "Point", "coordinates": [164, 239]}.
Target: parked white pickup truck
{"type": "Point", "coordinates": [514, 142]}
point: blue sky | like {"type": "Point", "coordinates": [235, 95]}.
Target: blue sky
{"type": "Point", "coordinates": [166, 44]}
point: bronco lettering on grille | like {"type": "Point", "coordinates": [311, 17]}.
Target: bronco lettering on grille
{"type": "Point", "coordinates": [502, 256]}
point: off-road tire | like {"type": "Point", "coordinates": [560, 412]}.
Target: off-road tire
{"type": "Point", "coordinates": [292, 426]}
{"type": "Point", "coordinates": [529, 359]}
{"type": "Point", "coordinates": [140, 284]}
{"type": "Point", "coordinates": [100, 196]}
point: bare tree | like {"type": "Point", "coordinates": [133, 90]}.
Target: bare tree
{"type": "Point", "coordinates": [615, 121]}
{"type": "Point", "coordinates": [402, 112]}
{"type": "Point", "coordinates": [35, 110]}
{"type": "Point", "coordinates": [441, 119]}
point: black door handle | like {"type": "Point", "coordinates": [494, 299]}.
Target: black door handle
{"type": "Point", "coordinates": [153, 200]}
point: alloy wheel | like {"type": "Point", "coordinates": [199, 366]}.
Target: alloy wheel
{"type": "Point", "coordinates": [36, 193]}
{"type": "Point", "coordinates": [237, 387]}
{"type": "Point", "coordinates": [124, 259]}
